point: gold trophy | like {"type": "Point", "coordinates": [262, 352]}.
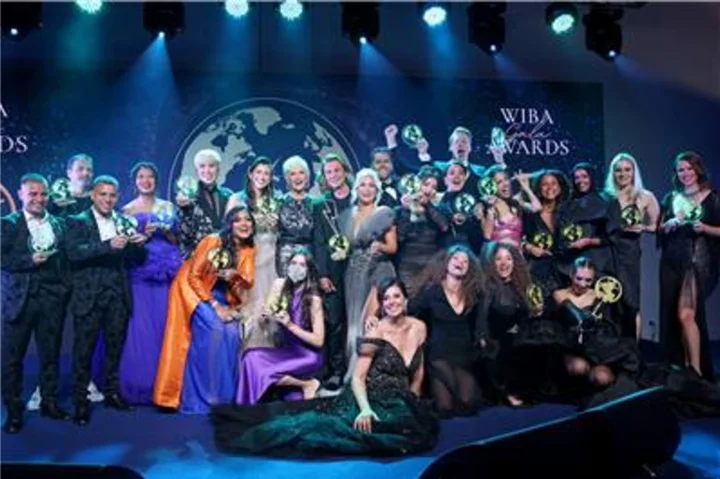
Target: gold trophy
{"type": "Point", "coordinates": [220, 258]}
{"type": "Point", "coordinates": [535, 299]}
{"type": "Point", "coordinates": [125, 225]}
{"type": "Point", "coordinates": [487, 186]}
{"type": "Point", "coordinates": [412, 135]}
{"type": "Point", "coordinates": [60, 192]}
{"type": "Point", "coordinates": [410, 185]}
{"type": "Point", "coordinates": [187, 186]}
{"type": "Point", "coordinates": [696, 213]}
{"type": "Point", "coordinates": [609, 289]}
{"type": "Point", "coordinates": [464, 204]}
{"type": "Point", "coordinates": [571, 232]}
{"type": "Point", "coordinates": [164, 214]}
{"type": "Point", "coordinates": [543, 240]}
{"type": "Point", "coordinates": [340, 245]}
{"type": "Point", "coordinates": [631, 216]}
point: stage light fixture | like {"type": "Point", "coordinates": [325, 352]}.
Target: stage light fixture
{"type": "Point", "coordinates": [360, 20]}
{"type": "Point", "coordinates": [237, 8]}
{"type": "Point", "coordinates": [89, 6]}
{"type": "Point", "coordinates": [19, 19]}
{"type": "Point", "coordinates": [603, 34]}
{"type": "Point", "coordinates": [433, 13]}
{"type": "Point", "coordinates": [561, 17]}
{"type": "Point", "coordinates": [164, 17]}
{"type": "Point", "coordinates": [486, 26]}
{"type": "Point", "coordinates": [291, 9]}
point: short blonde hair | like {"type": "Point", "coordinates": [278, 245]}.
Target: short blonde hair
{"type": "Point", "coordinates": [459, 130]}
{"type": "Point", "coordinates": [296, 161]}
{"type": "Point", "coordinates": [207, 153]}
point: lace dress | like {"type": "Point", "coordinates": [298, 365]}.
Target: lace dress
{"type": "Point", "coordinates": [325, 426]}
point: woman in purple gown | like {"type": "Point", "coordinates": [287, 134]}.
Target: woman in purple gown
{"type": "Point", "coordinates": [150, 283]}
{"type": "Point", "coordinates": [290, 364]}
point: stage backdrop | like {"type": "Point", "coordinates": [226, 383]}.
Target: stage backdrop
{"type": "Point", "coordinates": [152, 114]}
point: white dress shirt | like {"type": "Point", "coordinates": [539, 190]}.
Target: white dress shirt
{"type": "Point", "coordinates": [106, 225]}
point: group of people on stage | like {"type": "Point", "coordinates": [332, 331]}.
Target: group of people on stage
{"type": "Point", "coordinates": [349, 321]}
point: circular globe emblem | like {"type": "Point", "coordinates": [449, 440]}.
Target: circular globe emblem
{"type": "Point", "coordinates": [276, 128]}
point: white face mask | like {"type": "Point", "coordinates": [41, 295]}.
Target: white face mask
{"type": "Point", "coordinates": [296, 273]}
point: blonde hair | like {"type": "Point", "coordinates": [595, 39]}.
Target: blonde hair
{"type": "Point", "coordinates": [459, 130]}
{"type": "Point", "coordinates": [358, 179]}
{"type": "Point", "coordinates": [207, 153]}
{"type": "Point", "coordinates": [296, 161]}
{"type": "Point", "coordinates": [610, 186]}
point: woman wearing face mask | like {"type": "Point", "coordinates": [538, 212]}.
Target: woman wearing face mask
{"type": "Point", "coordinates": [420, 227]}
{"type": "Point", "coordinates": [260, 196]}
{"type": "Point", "coordinates": [290, 365]}
{"type": "Point", "coordinates": [381, 415]}
{"type": "Point", "coordinates": [198, 363]}
{"type": "Point", "coordinates": [502, 311]}
{"type": "Point", "coordinates": [597, 350]}
{"type": "Point", "coordinates": [373, 241]}
{"type": "Point", "coordinates": [637, 212]}
{"type": "Point", "coordinates": [540, 242]}
{"type": "Point", "coordinates": [150, 283]}
{"type": "Point", "coordinates": [689, 235]}
{"type": "Point", "coordinates": [583, 225]}
{"type": "Point", "coordinates": [447, 301]}
{"type": "Point", "coordinates": [501, 214]}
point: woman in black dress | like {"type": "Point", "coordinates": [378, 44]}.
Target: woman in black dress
{"type": "Point", "coordinates": [636, 211]}
{"type": "Point", "coordinates": [587, 213]}
{"type": "Point", "coordinates": [540, 243]}
{"type": "Point", "coordinates": [597, 350]}
{"type": "Point", "coordinates": [689, 236]}
{"type": "Point", "coordinates": [449, 289]}
{"type": "Point", "coordinates": [381, 414]}
{"type": "Point", "coordinates": [420, 229]}
{"type": "Point", "coordinates": [502, 313]}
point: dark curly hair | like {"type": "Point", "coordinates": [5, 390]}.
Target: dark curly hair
{"type": "Point", "coordinates": [520, 277]}
{"type": "Point", "coordinates": [226, 233]}
{"type": "Point", "coordinates": [562, 179]}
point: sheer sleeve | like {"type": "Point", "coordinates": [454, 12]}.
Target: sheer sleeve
{"type": "Point", "coordinates": [482, 326]}
{"type": "Point", "coordinates": [419, 306]}
{"type": "Point", "coordinates": [368, 347]}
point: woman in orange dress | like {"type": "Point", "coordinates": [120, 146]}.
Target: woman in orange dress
{"type": "Point", "coordinates": [199, 360]}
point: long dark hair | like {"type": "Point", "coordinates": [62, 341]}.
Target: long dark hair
{"type": "Point", "coordinates": [248, 190]}
{"type": "Point", "coordinates": [471, 286]}
{"type": "Point", "coordinates": [310, 287]}
{"type": "Point", "coordinates": [144, 165]}
{"type": "Point", "coordinates": [591, 171]}
{"type": "Point", "coordinates": [520, 277]}
{"type": "Point", "coordinates": [226, 233]}
{"type": "Point", "coordinates": [696, 163]}
{"type": "Point", "coordinates": [562, 180]}
{"type": "Point", "coordinates": [514, 206]}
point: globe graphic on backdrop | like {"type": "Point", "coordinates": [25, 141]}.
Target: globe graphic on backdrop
{"type": "Point", "coordinates": [276, 128]}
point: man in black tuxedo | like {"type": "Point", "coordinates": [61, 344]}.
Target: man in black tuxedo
{"type": "Point", "coordinates": [80, 174]}
{"type": "Point", "coordinates": [99, 251]}
{"type": "Point", "coordinates": [35, 284]}
{"type": "Point", "coordinates": [382, 163]}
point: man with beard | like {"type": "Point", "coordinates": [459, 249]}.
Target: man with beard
{"type": "Point", "coordinates": [99, 245]}
{"type": "Point", "coordinates": [202, 214]}
{"type": "Point", "coordinates": [381, 161]}
{"type": "Point", "coordinates": [335, 181]}
{"type": "Point", "coordinates": [80, 175]}
{"type": "Point", "coordinates": [35, 284]}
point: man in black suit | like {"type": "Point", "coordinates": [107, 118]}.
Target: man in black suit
{"type": "Point", "coordinates": [34, 292]}
{"type": "Point", "coordinates": [381, 161]}
{"type": "Point", "coordinates": [99, 249]}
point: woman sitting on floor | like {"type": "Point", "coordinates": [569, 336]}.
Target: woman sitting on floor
{"type": "Point", "coordinates": [380, 415]}
{"type": "Point", "coordinates": [294, 356]}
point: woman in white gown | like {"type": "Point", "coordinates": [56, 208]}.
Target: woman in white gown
{"type": "Point", "coordinates": [260, 196]}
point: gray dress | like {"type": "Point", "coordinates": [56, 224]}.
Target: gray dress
{"type": "Point", "coordinates": [363, 271]}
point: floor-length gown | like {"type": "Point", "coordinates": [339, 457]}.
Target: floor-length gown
{"type": "Point", "coordinates": [325, 426]}
{"type": "Point", "coordinates": [150, 284]}
{"type": "Point", "coordinates": [451, 356]}
{"type": "Point", "coordinates": [363, 271]}
{"type": "Point", "coordinates": [688, 273]}
{"type": "Point", "coordinates": [262, 367]}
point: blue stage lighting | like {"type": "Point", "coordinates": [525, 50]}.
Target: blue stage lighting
{"type": "Point", "coordinates": [434, 15]}
{"type": "Point", "coordinates": [237, 8]}
{"type": "Point", "coordinates": [561, 17]}
{"type": "Point", "coordinates": [89, 6]}
{"type": "Point", "coordinates": [14, 31]}
{"type": "Point", "coordinates": [291, 9]}
{"type": "Point", "coordinates": [363, 40]}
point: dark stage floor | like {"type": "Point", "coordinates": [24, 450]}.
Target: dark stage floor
{"type": "Point", "coordinates": [162, 446]}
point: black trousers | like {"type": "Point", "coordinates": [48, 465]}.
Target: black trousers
{"type": "Point", "coordinates": [44, 315]}
{"type": "Point", "coordinates": [109, 314]}
{"type": "Point", "coordinates": [335, 326]}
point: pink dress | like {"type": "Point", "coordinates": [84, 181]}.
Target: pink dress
{"type": "Point", "coordinates": [508, 231]}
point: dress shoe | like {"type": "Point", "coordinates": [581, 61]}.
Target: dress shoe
{"type": "Point", "coordinates": [52, 411]}
{"type": "Point", "coordinates": [14, 422]}
{"type": "Point", "coordinates": [115, 401]}
{"type": "Point", "coordinates": [333, 383]}
{"type": "Point", "coordinates": [82, 415]}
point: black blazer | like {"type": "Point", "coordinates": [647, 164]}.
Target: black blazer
{"type": "Point", "coordinates": [17, 264]}
{"type": "Point", "coordinates": [96, 265]}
